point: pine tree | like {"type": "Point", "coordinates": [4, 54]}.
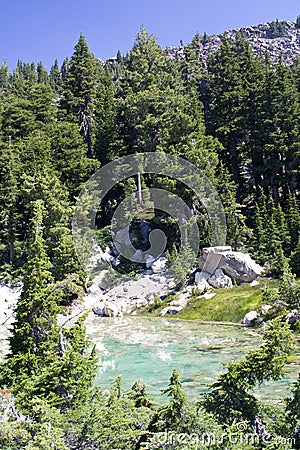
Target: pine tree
{"type": "Point", "coordinates": [9, 170]}
{"type": "Point", "coordinates": [293, 221]}
{"type": "Point", "coordinates": [68, 156]}
{"type": "Point", "coordinates": [55, 77]}
{"type": "Point", "coordinates": [105, 115]}
{"type": "Point", "coordinates": [295, 259]}
{"type": "Point", "coordinates": [42, 74]}
{"type": "Point", "coordinates": [4, 76]}
{"type": "Point", "coordinates": [79, 90]}
{"type": "Point", "coordinates": [35, 318]}
{"type": "Point", "coordinates": [276, 136]}
{"type": "Point", "coordinates": [176, 415]}
{"type": "Point", "coordinates": [229, 399]}
{"type": "Point", "coordinates": [293, 412]}
{"type": "Point", "coordinates": [232, 75]}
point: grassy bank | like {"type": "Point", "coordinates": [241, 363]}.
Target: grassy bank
{"type": "Point", "coordinates": [228, 305]}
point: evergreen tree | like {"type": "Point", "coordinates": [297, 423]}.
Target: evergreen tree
{"type": "Point", "coordinates": [4, 76]}
{"type": "Point", "coordinates": [176, 415]}
{"type": "Point", "coordinates": [9, 170]}
{"type": "Point", "coordinates": [34, 318]}
{"type": "Point", "coordinates": [79, 90]}
{"type": "Point", "coordinates": [55, 77]}
{"type": "Point", "coordinates": [42, 74]}
{"type": "Point", "coordinates": [229, 399]}
{"type": "Point", "coordinates": [232, 77]}
{"type": "Point", "coordinates": [293, 411]}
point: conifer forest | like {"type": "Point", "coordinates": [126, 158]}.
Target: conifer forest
{"type": "Point", "coordinates": [234, 116]}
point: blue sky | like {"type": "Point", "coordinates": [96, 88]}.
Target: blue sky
{"type": "Point", "coordinates": [41, 30]}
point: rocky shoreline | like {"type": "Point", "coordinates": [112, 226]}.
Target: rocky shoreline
{"type": "Point", "coordinates": [219, 267]}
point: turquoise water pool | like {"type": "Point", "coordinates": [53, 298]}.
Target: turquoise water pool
{"type": "Point", "coordinates": [150, 348]}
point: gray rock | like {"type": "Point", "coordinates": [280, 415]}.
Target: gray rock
{"type": "Point", "coordinates": [250, 318]}
{"type": "Point", "coordinates": [164, 311]}
{"type": "Point", "coordinates": [240, 266]}
{"type": "Point", "coordinates": [219, 280]}
{"type": "Point", "coordinates": [181, 302]}
{"type": "Point", "coordinates": [149, 261]}
{"type": "Point", "coordinates": [94, 290]}
{"type": "Point", "coordinates": [175, 309]}
{"type": "Point", "coordinates": [147, 272]}
{"type": "Point", "coordinates": [159, 265]}
{"type": "Point", "coordinates": [265, 309]}
{"type": "Point", "coordinates": [237, 265]}
{"type": "Point", "coordinates": [203, 286]}
{"type": "Point", "coordinates": [287, 46]}
{"type": "Point", "coordinates": [110, 309]}
{"type": "Point", "coordinates": [201, 276]}
{"type": "Point", "coordinates": [98, 309]}
{"type": "Point", "coordinates": [292, 317]}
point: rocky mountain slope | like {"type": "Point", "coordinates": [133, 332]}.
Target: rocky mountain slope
{"type": "Point", "coordinates": [276, 38]}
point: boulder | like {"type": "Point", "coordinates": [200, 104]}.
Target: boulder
{"type": "Point", "coordinates": [110, 309]}
{"type": "Point", "coordinates": [98, 309]}
{"type": "Point", "coordinates": [94, 291]}
{"type": "Point", "coordinates": [159, 265]}
{"type": "Point", "coordinates": [201, 276]}
{"type": "Point", "coordinates": [203, 286]}
{"type": "Point", "coordinates": [175, 309]}
{"type": "Point", "coordinates": [147, 272]}
{"type": "Point", "coordinates": [220, 280]}
{"type": "Point", "coordinates": [250, 318]}
{"type": "Point", "coordinates": [240, 266]}
{"type": "Point", "coordinates": [265, 309]}
{"type": "Point", "coordinates": [237, 265]}
{"type": "Point", "coordinates": [149, 261]}
{"type": "Point", "coordinates": [171, 284]}
{"type": "Point", "coordinates": [292, 317]}
{"type": "Point", "coordinates": [181, 302]}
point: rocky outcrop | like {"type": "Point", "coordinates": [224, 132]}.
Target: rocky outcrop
{"type": "Point", "coordinates": [129, 295]}
{"type": "Point", "coordinates": [260, 39]}
{"type": "Point", "coordinates": [236, 265]}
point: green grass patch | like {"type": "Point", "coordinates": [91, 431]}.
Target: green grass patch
{"type": "Point", "coordinates": [228, 305]}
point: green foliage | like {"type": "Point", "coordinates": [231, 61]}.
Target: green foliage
{"type": "Point", "coordinates": [177, 415]}
{"type": "Point", "coordinates": [229, 399]}
{"type": "Point", "coordinates": [276, 29]}
{"type": "Point", "coordinates": [237, 121]}
{"type": "Point", "coordinates": [293, 411]}
{"type": "Point", "coordinates": [79, 90]}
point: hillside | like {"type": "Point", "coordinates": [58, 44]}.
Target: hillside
{"type": "Point", "coordinates": [277, 38]}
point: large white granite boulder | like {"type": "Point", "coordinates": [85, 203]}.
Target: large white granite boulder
{"type": "Point", "coordinates": [237, 265]}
